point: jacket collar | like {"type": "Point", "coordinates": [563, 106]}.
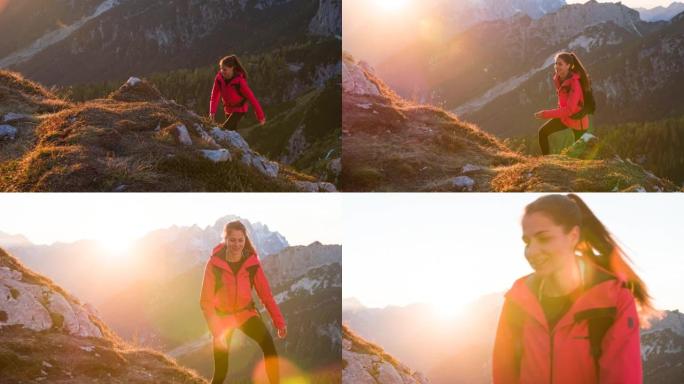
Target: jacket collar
{"type": "Point", "coordinates": [217, 259]}
{"type": "Point", "coordinates": [228, 81]}
{"type": "Point", "coordinates": [573, 77]}
{"type": "Point", "coordinates": [600, 291]}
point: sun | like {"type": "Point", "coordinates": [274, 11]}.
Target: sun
{"type": "Point", "coordinates": [445, 310]}
{"type": "Point", "coordinates": [392, 5]}
{"type": "Point", "coordinates": [115, 250]}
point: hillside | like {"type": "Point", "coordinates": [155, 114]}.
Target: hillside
{"type": "Point", "coordinates": [366, 363]}
{"type": "Point", "coordinates": [47, 335]}
{"type": "Point", "coordinates": [390, 144]}
{"type": "Point", "coordinates": [110, 39]}
{"type": "Point", "coordinates": [133, 140]}
{"type": "Point", "coordinates": [297, 86]}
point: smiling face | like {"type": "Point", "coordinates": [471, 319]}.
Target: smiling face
{"type": "Point", "coordinates": [561, 67]}
{"type": "Point", "coordinates": [235, 241]}
{"type": "Point", "coordinates": [548, 247]}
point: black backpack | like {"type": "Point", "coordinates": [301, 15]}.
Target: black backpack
{"type": "Point", "coordinates": [589, 105]}
{"type": "Point", "coordinates": [218, 283]}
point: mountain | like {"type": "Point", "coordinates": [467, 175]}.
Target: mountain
{"type": "Point", "coordinates": [634, 79]}
{"type": "Point", "coordinates": [153, 258]}
{"type": "Point", "coordinates": [310, 303]}
{"type": "Point", "coordinates": [367, 363]}
{"type": "Point", "coordinates": [47, 335]}
{"type": "Point", "coordinates": [661, 13]}
{"type": "Point", "coordinates": [160, 35]}
{"type": "Point", "coordinates": [460, 349]}
{"type": "Point", "coordinates": [134, 140]}
{"type": "Point", "coordinates": [455, 71]}
{"type": "Point", "coordinates": [8, 241]}
{"type": "Point", "coordinates": [366, 28]}
{"type": "Point", "coordinates": [390, 144]}
{"type": "Point", "coordinates": [170, 306]}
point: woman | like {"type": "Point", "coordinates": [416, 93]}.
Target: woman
{"type": "Point", "coordinates": [230, 84]}
{"type": "Point", "coordinates": [570, 79]}
{"type": "Point", "coordinates": [575, 319]}
{"type": "Point", "coordinates": [226, 300]}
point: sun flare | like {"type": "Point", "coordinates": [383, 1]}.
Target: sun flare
{"type": "Point", "coordinates": [392, 5]}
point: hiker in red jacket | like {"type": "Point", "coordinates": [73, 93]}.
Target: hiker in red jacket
{"type": "Point", "coordinates": [570, 80]}
{"type": "Point", "coordinates": [576, 318]}
{"type": "Point", "coordinates": [226, 300]}
{"type": "Point", "coordinates": [230, 84]}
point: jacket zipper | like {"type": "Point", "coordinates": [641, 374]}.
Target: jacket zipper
{"type": "Point", "coordinates": [551, 339]}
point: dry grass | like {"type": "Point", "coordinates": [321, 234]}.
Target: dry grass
{"type": "Point", "coordinates": [23, 96]}
{"type": "Point", "coordinates": [389, 144]}
{"type": "Point", "coordinates": [126, 142]}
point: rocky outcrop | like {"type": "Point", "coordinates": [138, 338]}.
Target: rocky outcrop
{"type": "Point", "coordinates": [367, 363]}
{"type": "Point", "coordinates": [328, 19]}
{"type": "Point", "coordinates": [46, 335]}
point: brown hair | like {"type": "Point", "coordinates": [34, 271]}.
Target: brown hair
{"type": "Point", "coordinates": [577, 67]}
{"type": "Point", "coordinates": [596, 245]}
{"type": "Point", "coordinates": [233, 62]}
{"type": "Point", "coordinates": [238, 226]}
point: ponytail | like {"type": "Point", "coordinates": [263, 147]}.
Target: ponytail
{"type": "Point", "coordinates": [597, 245]}
{"type": "Point", "coordinates": [577, 67]}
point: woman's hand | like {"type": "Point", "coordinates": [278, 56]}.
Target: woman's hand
{"type": "Point", "coordinates": [282, 333]}
{"type": "Point", "coordinates": [212, 118]}
{"type": "Point", "coordinates": [539, 115]}
{"type": "Point", "coordinates": [262, 122]}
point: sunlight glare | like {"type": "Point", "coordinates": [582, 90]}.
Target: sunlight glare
{"type": "Point", "coordinates": [392, 5]}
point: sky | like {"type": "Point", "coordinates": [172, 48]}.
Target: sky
{"type": "Point", "coordinates": [46, 218]}
{"type": "Point", "coordinates": [450, 249]}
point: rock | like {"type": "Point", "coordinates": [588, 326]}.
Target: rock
{"type": "Point", "coordinates": [121, 188]}
{"type": "Point", "coordinates": [471, 168]}
{"type": "Point", "coordinates": [132, 81]}
{"type": "Point", "coordinates": [183, 135]}
{"type": "Point", "coordinates": [263, 165]}
{"type": "Point", "coordinates": [354, 80]}
{"type": "Point", "coordinates": [463, 183]}
{"type": "Point", "coordinates": [88, 348]}
{"type": "Point", "coordinates": [231, 138]}
{"type": "Point", "coordinates": [216, 155]}
{"type": "Point", "coordinates": [335, 166]}
{"type": "Point", "coordinates": [308, 186]}
{"type": "Point", "coordinates": [587, 137]}
{"type": "Point", "coordinates": [75, 320]}
{"type": "Point", "coordinates": [12, 117]}
{"type": "Point", "coordinates": [204, 135]}
{"type": "Point", "coordinates": [388, 374]}
{"type": "Point", "coordinates": [364, 105]}
{"type": "Point", "coordinates": [7, 132]}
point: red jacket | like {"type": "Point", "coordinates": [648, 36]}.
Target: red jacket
{"type": "Point", "coordinates": [570, 101]}
{"type": "Point", "coordinates": [562, 355]}
{"type": "Point", "coordinates": [231, 305]}
{"type": "Point", "coordinates": [235, 94]}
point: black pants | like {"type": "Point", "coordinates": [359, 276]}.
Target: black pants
{"type": "Point", "coordinates": [231, 123]}
{"type": "Point", "coordinates": [553, 126]}
{"type": "Point", "coordinates": [257, 331]}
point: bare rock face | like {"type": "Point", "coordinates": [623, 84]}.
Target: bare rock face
{"type": "Point", "coordinates": [38, 307]}
{"type": "Point", "coordinates": [354, 80]}
{"type": "Point", "coordinates": [328, 19]}
{"type": "Point", "coordinates": [365, 362]}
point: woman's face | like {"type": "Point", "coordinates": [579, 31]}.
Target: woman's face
{"type": "Point", "coordinates": [227, 72]}
{"type": "Point", "coordinates": [548, 248]}
{"type": "Point", "coordinates": [235, 241]}
{"type": "Point", "coordinates": [561, 67]}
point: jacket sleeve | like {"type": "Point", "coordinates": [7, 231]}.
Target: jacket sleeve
{"type": "Point", "coordinates": [247, 93]}
{"type": "Point", "coordinates": [266, 297]}
{"type": "Point", "coordinates": [215, 96]}
{"type": "Point", "coordinates": [207, 298]}
{"type": "Point", "coordinates": [504, 365]}
{"type": "Point", "coordinates": [621, 351]}
{"type": "Point", "coordinates": [572, 106]}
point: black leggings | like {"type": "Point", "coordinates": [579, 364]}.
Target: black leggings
{"type": "Point", "coordinates": [233, 120]}
{"type": "Point", "coordinates": [257, 331]}
{"type": "Point", "coordinates": [553, 126]}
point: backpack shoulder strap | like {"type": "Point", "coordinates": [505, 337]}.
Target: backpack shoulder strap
{"type": "Point", "coordinates": [599, 320]}
{"type": "Point", "coordinates": [252, 273]}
